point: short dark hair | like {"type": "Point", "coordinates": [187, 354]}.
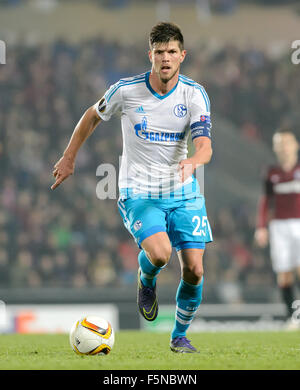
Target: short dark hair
{"type": "Point", "coordinates": [284, 130]}
{"type": "Point", "coordinates": [164, 32]}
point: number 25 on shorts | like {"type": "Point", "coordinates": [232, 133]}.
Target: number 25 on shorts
{"type": "Point", "coordinates": [201, 224]}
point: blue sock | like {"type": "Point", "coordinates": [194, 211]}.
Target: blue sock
{"type": "Point", "coordinates": [188, 299]}
{"type": "Point", "coordinates": [149, 271]}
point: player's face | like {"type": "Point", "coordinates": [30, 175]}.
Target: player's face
{"type": "Point", "coordinates": [166, 59]}
{"type": "Point", "coordinates": [285, 146]}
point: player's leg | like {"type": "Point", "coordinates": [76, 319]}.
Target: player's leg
{"type": "Point", "coordinates": [285, 282]}
{"type": "Point", "coordinates": [297, 318]}
{"type": "Point", "coordinates": [281, 250]}
{"type": "Point", "coordinates": [298, 276]}
{"type": "Point", "coordinates": [152, 259]}
{"type": "Point", "coordinates": [297, 254]}
{"type": "Point", "coordinates": [155, 255]}
{"type": "Point", "coordinates": [292, 278]}
{"type": "Point", "coordinates": [147, 223]}
{"type": "Point", "coordinates": [188, 297]}
{"type": "Point", "coordinates": [189, 230]}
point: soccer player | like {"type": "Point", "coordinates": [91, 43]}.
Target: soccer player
{"type": "Point", "coordinates": [160, 199]}
{"type": "Point", "coordinates": [278, 219]}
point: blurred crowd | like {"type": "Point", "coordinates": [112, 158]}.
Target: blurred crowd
{"type": "Point", "coordinates": [258, 91]}
{"type": "Point", "coordinates": [70, 238]}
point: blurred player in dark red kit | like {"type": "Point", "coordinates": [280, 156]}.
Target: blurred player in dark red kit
{"type": "Point", "coordinates": [278, 219]}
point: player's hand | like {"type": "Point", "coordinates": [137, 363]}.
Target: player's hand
{"type": "Point", "coordinates": [186, 169]}
{"type": "Point", "coordinates": [261, 237]}
{"type": "Point", "coordinates": [62, 170]}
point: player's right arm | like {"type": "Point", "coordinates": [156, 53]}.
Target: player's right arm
{"type": "Point", "coordinates": [110, 103]}
{"type": "Point", "coordinates": [261, 235]}
{"type": "Point", "coordinates": [84, 128]}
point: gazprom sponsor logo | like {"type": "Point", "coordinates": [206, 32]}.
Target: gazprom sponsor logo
{"type": "Point", "coordinates": [153, 136]}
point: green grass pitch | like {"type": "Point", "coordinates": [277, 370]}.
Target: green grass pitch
{"type": "Point", "coordinates": [140, 350]}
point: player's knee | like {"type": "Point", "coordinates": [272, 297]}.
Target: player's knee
{"type": "Point", "coordinates": [284, 284]}
{"type": "Point", "coordinates": [285, 279]}
{"type": "Point", "coordinates": [193, 274]}
{"type": "Point", "coordinates": [160, 255]}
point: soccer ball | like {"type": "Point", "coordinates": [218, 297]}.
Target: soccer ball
{"type": "Point", "coordinates": [92, 335]}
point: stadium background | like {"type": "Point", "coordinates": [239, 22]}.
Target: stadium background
{"type": "Point", "coordinates": [68, 247]}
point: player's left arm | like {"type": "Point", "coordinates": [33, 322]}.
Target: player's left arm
{"type": "Point", "coordinates": [200, 125]}
{"type": "Point", "coordinates": [202, 155]}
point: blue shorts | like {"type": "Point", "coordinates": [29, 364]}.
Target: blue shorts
{"type": "Point", "coordinates": [184, 219]}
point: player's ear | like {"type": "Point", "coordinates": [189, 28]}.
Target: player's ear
{"type": "Point", "coordinates": [183, 54]}
{"type": "Point", "coordinates": [150, 55]}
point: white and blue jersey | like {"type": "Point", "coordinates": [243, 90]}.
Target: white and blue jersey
{"type": "Point", "coordinates": [155, 131]}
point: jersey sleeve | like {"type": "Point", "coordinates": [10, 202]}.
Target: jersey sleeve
{"type": "Point", "coordinates": [200, 123]}
{"type": "Point", "coordinates": [268, 187]}
{"type": "Point", "coordinates": [110, 103]}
